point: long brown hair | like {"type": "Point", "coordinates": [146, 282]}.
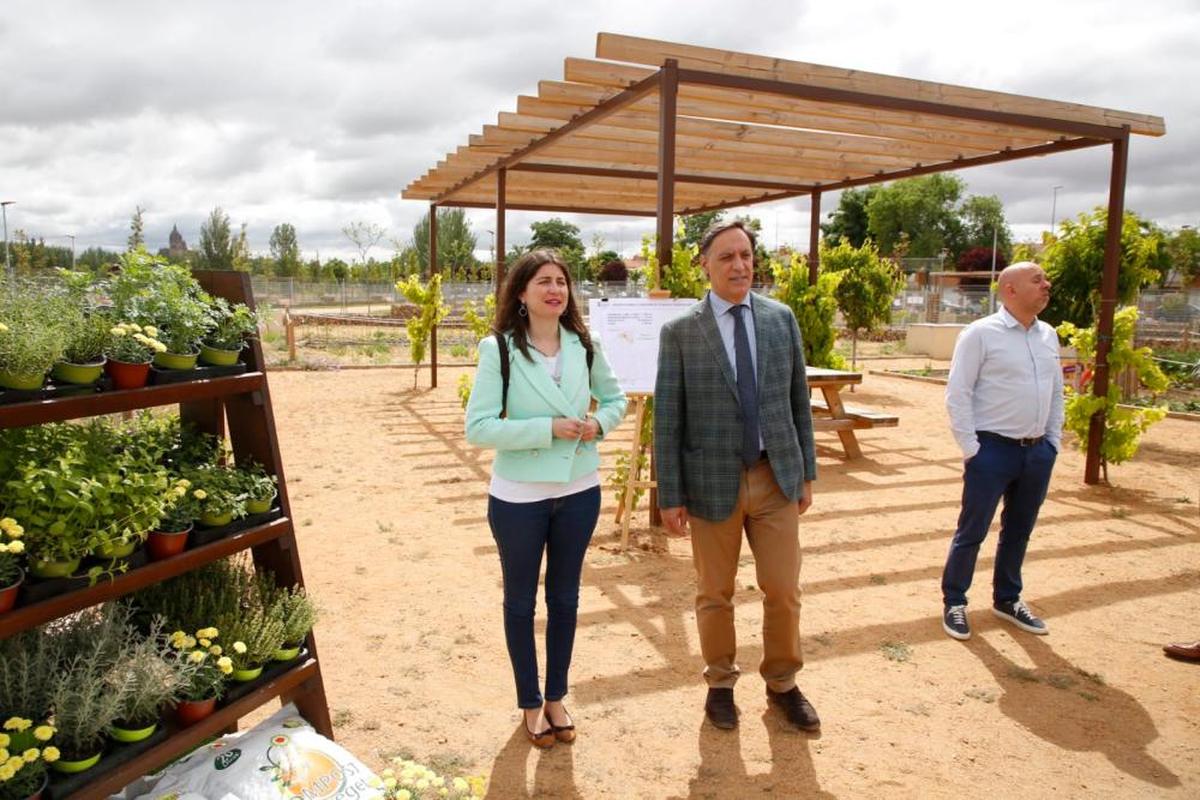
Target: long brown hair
{"type": "Point", "coordinates": [508, 317]}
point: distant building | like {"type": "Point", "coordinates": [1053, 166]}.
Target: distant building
{"type": "Point", "coordinates": [176, 247]}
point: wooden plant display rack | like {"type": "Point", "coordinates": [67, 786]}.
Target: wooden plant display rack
{"type": "Point", "coordinates": [244, 402]}
{"type": "Point", "coordinates": [633, 480]}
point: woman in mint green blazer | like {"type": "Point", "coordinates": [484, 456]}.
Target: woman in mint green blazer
{"type": "Point", "coordinates": [544, 496]}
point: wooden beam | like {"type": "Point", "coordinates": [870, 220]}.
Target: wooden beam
{"type": "Point", "coordinates": [652, 52]}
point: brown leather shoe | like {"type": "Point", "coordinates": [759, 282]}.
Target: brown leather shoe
{"type": "Point", "coordinates": [1183, 651]}
{"type": "Point", "coordinates": [563, 733]}
{"type": "Point", "coordinates": [720, 710]}
{"type": "Point", "coordinates": [796, 708]}
{"type": "Point", "coordinates": [542, 740]}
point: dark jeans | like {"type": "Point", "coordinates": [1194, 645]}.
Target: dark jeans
{"type": "Point", "coordinates": [1021, 476]}
{"type": "Point", "coordinates": [562, 528]}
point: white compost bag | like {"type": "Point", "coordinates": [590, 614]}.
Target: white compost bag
{"type": "Point", "coordinates": [283, 757]}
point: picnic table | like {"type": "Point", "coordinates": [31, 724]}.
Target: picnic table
{"type": "Point", "coordinates": [831, 414]}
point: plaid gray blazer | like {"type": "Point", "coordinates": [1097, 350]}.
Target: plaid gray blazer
{"type": "Point", "coordinates": [697, 417]}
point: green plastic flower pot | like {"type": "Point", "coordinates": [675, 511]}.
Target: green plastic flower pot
{"type": "Point", "coordinates": [72, 767]}
{"type": "Point", "coordinates": [286, 653]}
{"type": "Point", "coordinates": [22, 381]}
{"type": "Point", "coordinates": [175, 360]}
{"type": "Point", "coordinates": [218, 357]}
{"type": "Point", "coordinates": [115, 549]}
{"type": "Point", "coordinates": [122, 734]}
{"type": "Point", "coordinates": [209, 520]}
{"type": "Point", "coordinates": [53, 569]}
{"type": "Point", "coordinates": [77, 374]}
{"type": "Point", "coordinates": [245, 675]}
{"type": "Point", "coordinates": [259, 506]}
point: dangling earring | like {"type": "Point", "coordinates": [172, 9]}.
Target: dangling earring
{"type": "Point", "coordinates": [523, 311]}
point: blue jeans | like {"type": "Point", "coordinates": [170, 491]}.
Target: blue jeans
{"type": "Point", "coordinates": [562, 528]}
{"type": "Point", "coordinates": [1021, 475]}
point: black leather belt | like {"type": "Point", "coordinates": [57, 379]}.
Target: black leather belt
{"type": "Point", "coordinates": [1028, 441]}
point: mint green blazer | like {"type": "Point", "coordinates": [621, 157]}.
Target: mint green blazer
{"type": "Point", "coordinates": [525, 448]}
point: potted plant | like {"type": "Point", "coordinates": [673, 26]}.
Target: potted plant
{"type": "Point", "coordinates": [86, 702]}
{"type": "Point", "coordinates": [219, 492]}
{"type": "Point", "coordinates": [31, 340]}
{"type": "Point", "coordinates": [180, 312]}
{"type": "Point", "coordinates": [11, 548]}
{"type": "Point", "coordinates": [153, 681]}
{"type": "Point", "coordinates": [128, 499]}
{"type": "Point", "coordinates": [53, 504]}
{"type": "Point", "coordinates": [253, 636]}
{"type": "Point", "coordinates": [83, 359]}
{"type": "Point", "coordinates": [297, 613]}
{"type": "Point", "coordinates": [130, 350]}
{"type": "Point", "coordinates": [169, 537]}
{"type": "Point", "coordinates": [258, 486]}
{"type": "Point", "coordinates": [232, 324]}
{"type": "Point", "coordinates": [23, 774]}
{"type": "Point", "coordinates": [205, 667]}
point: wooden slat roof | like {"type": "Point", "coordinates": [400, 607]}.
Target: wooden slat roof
{"type": "Point", "coordinates": [748, 129]}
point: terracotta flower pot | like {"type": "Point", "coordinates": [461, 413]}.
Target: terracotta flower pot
{"type": "Point", "coordinates": [8, 595]}
{"type": "Point", "coordinates": [218, 357]}
{"type": "Point", "coordinates": [126, 375]}
{"type": "Point", "coordinates": [189, 712]}
{"type": "Point", "coordinates": [164, 544]}
{"type": "Point", "coordinates": [77, 374]}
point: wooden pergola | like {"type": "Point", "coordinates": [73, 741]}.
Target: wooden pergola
{"type": "Point", "coordinates": [652, 128]}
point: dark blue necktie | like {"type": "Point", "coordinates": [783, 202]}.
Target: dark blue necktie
{"type": "Point", "coordinates": [747, 388]}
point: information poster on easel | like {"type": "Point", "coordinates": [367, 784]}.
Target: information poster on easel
{"type": "Point", "coordinates": [628, 329]}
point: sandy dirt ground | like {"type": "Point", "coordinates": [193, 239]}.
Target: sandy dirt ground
{"type": "Point", "coordinates": [389, 502]}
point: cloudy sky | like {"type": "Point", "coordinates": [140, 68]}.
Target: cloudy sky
{"type": "Point", "coordinates": [319, 113]}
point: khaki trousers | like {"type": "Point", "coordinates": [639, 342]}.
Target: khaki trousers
{"type": "Point", "coordinates": [771, 522]}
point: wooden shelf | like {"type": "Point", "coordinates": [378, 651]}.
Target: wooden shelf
{"type": "Point", "coordinates": [58, 409]}
{"type": "Point", "coordinates": [69, 602]}
{"type": "Point", "coordinates": [184, 740]}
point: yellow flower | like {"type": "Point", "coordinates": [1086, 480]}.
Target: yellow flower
{"type": "Point", "coordinates": [4, 740]}
{"type": "Point", "coordinates": [215, 650]}
{"type": "Point", "coordinates": [460, 785]}
{"type": "Point", "coordinates": [423, 784]}
{"type": "Point", "coordinates": [3, 754]}
{"type": "Point", "coordinates": [388, 773]}
{"type": "Point", "coordinates": [50, 754]}
{"type": "Point", "coordinates": [184, 483]}
{"type": "Point", "coordinates": [3, 327]}
{"type": "Point", "coordinates": [15, 763]}
{"type": "Point", "coordinates": [117, 330]}
{"type": "Point", "coordinates": [404, 794]}
{"type": "Point", "coordinates": [6, 773]}
{"type": "Point", "coordinates": [17, 724]}
{"type": "Point", "coordinates": [435, 779]}
{"type": "Point", "coordinates": [16, 532]}
{"type": "Point", "coordinates": [199, 494]}
{"type": "Point", "coordinates": [43, 733]}
{"type": "Point", "coordinates": [239, 648]}
{"type": "Point", "coordinates": [225, 662]}
{"type": "Point", "coordinates": [6, 523]}
{"type": "Point", "coordinates": [443, 792]}
{"type": "Point", "coordinates": [159, 347]}
{"type": "Point", "coordinates": [196, 656]}
{"type": "Point", "coordinates": [207, 633]}
{"type": "Point", "coordinates": [151, 330]}
{"type": "Point", "coordinates": [389, 783]}
{"type": "Point", "coordinates": [16, 547]}
{"type": "Point", "coordinates": [31, 755]}
{"type": "Point", "coordinates": [205, 643]}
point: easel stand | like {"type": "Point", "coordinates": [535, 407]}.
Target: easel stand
{"type": "Point", "coordinates": [633, 480]}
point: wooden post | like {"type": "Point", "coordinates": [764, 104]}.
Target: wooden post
{"type": "Point", "coordinates": [1108, 301]}
{"type": "Point", "coordinates": [633, 480]}
{"type": "Point", "coordinates": [290, 328]}
{"type": "Point", "coordinates": [433, 269]}
{"type": "Point", "coordinates": [814, 239]}
{"type": "Point", "coordinates": [501, 264]}
{"type": "Point", "coordinates": [668, 87]}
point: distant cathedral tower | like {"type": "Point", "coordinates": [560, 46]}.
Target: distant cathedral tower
{"type": "Point", "coordinates": [177, 247]}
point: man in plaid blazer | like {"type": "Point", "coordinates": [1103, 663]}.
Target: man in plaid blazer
{"type": "Point", "coordinates": [733, 444]}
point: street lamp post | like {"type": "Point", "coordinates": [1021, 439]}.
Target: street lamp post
{"type": "Point", "coordinates": [8, 267]}
{"type": "Point", "coordinates": [1054, 208]}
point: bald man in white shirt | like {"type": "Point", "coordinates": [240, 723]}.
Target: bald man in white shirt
{"type": "Point", "coordinates": [1005, 400]}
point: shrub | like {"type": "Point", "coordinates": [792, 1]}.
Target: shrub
{"type": "Point", "coordinates": [815, 308]}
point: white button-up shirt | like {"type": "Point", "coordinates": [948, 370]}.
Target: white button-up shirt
{"type": "Point", "coordinates": [1005, 379]}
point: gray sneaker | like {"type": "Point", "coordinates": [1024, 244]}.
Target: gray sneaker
{"type": "Point", "coordinates": [954, 622]}
{"type": "Point", "coordinates": [1019, 614]}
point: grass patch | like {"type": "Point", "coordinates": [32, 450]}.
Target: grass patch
{"type": "Point", "coordinates": [896, 651]}
{"type": "Point", "coordinates": [1093, 677]}
{"type": "Point", "coordinates": [1061, 681]}
{"type": "Point", "coordinates": [342, 717]}
{"type": "Point", "coordinates": [1022, 674]}
{"type": "Point", "coordinates": [877, 580]}
{"type": "Point", "coordinates": [983, 695]}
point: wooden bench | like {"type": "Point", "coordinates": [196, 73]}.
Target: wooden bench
{"type": "Point", "coordinates": [856, 418]}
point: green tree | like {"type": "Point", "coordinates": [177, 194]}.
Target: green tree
{"type": "Point", "coordinates": [1123, 424]}
{"type": "Point", "coordinates": [216, 242]}
{"type": "Point", "coordinates": [136, 230]}
{"type": "Point", "coordinates": [981, 215]}
{"type": "Point", "coordinates": [242, 260]}
{"type": "Point", "coordinates": [849, 221]}
{"type": "Point", "coordinates": [456, 243]}
{"type": "Point", "coordinates": [285, 249]}
{"type": "Point", "coordinates": [693, 226]}
{"type": "Point", "coordinates": [683, 277]}
{"type": "Point", "coordinates": [925, 208]}
{"type": "Point", "coordinates": [557, 234]}
{"type": "Point", "coordinates": [865, 288]}
{"type": "Point", "coordinates": [1183, 250]}
{"type": "Point", "coordinates": [427, 297]}
{"type": "Point", "coordinates": [1074, 263]}
{"type": "Point", "coordinates": [814, 306]}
